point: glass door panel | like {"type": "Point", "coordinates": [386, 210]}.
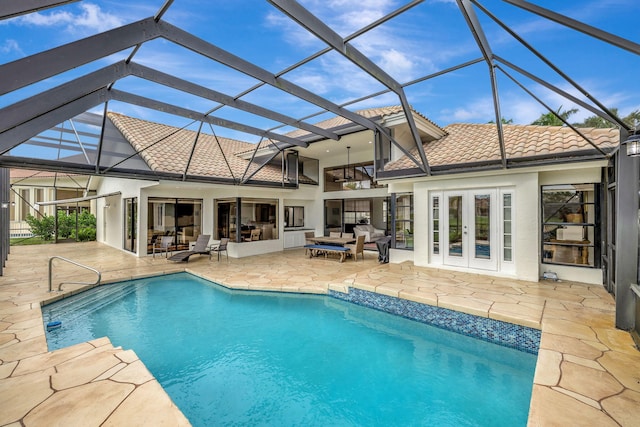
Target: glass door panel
{"type": "Point", "coordinates": [455, 227]}
{"type": "Point", "coordinates": [482, 235]}
{"type": "Point", "coordinates": [484, 225]}
{"type": "Point", "coordinates": [332, 216]}
{"type": "Point", "coordinates": [130, 224]}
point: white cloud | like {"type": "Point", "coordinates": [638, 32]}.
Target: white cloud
{"type": "Point", "coordinates": [293, 33]}
{"type": "Point", "coordinates": [478, 110]}
{"type": "Point", "coordinates": [11, 46]}
{"type": "Point", "coordinates": [397, 64]}
{"type": "Point", "coordinates": [89, 19]}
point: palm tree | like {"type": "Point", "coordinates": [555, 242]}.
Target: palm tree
{"type": "Point", "coordinates": [503, 121]}
{"type": "Point", "coordinates": [551, 119]}
{"type": "Point", "coordinates": [632, 119]}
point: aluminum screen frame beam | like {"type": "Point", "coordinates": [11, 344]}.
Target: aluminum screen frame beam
{"type": "Point", "coordinates": [613, 117]}
{"type": "Point", "coordinates": [54, 61]}
{"type": "Point", "coordinates": [19, 134]}
{"type": "Point", "coordinates": [594, 32]}
{"type": "Point", "coordinates": [532, 95]}
{"type": "Point", "coordinates": [208, 50]}
{"type": "Point", "coordinates": [483, 44]}
{"type": "Point", "coordinates": [165, 79]}
{"type": "Point", "coordinates": [23, 72]}
{"type": "Point", "coordinates": [13, 124]}
{"type": "Point", "coordinates": [16, 114]}
{"type": "Point", "coordinates": [322, 31]}
{"type": "Point", "coordinates": [141, 101]}
{"type": "Point", "coordinates": [13, 8]}
{"type": "Point", "coordinates": [553, 88]}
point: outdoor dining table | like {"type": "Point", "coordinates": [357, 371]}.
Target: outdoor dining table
{"type": "Point", "coordinates": [337, 241]}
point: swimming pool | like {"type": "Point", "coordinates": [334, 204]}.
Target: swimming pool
{"type": "Point", "coordinates": [254, 358]}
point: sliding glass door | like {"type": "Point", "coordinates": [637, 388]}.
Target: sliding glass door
{"type": "Point", "coordinates": [180, 218]}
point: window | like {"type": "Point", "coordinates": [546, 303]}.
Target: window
{"type": "Point", "coordinates": [359, 176]}
{"type": "Point", "coordinates": [404, 220]}
{"type": "Point", "coordinates": [24, 205]}
{"type": "Point", "coordinates": [435, 224]}
{"type": "Point", "coordinates": [357, 211]}
{"type": "Point", "coordinates": [246, 219]}
{"type": "Point", "coordinates": [294, 216]}
{"type": "Point", "coordinates": [40, 198]}
{"type": "Point", "coordinates": [507, 230]}
{"type": "Point", "coordinates": [570, 224]}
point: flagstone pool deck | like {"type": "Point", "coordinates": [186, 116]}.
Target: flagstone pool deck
{"type": "Point", "coordinates": [588, 372]}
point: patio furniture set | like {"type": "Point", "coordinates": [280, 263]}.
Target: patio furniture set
{"type": "Point", "coordinates": [201, 247]}
{"type": "Point", "coordinates": [341, 244]}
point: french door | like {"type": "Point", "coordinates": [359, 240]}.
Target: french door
{"type": "Point", "coordinates": [470, 229]}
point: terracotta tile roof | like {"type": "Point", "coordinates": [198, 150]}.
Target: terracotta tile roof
{"type": "Point", "coordinates": [477, 143]}
{"type": "Point", "coordinates": [369, 113]}
{"type": "Point", "coordinates": [167, 149]}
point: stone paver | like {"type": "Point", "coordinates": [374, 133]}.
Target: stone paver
{"type": "Point", "coordinates": [588, 372]}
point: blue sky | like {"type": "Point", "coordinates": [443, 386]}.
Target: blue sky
{"type": "Point", "coordinates": [430, 37]}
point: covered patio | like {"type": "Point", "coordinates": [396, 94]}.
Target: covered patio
{"type": "Point", "coordinates": [584, 370]}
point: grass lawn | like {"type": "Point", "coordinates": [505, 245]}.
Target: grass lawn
{"type": "Point", "coordinates": [29, 241]}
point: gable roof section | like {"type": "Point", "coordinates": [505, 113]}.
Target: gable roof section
{"type": "Point", "coordinates": [167, 149]}
{"type": "Point", "coordinates": [342, 126]}
{"type": "Point", "coordinates": [476, 145]}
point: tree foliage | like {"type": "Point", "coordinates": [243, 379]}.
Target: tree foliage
{"type": "Point", "coordinates": [503, 120]}
{"type": "Point", "coordinates": [551, 119]}
{"type": "Point", "coordinates": [632, 120]}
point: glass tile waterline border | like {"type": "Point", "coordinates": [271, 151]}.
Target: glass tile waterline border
{"type": "Point", "coordinates": [495, 331]}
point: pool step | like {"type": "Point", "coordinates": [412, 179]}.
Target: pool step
{"type": "Point", "coordinates": [85, 302]}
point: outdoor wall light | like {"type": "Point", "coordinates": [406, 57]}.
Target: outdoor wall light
{"type": "Point", "coordinates": [4, 205]}
{"type": "Point", "coordinates": [633, 145]}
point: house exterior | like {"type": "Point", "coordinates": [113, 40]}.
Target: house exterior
{"type": "Point", "coordinates": [541, 210]}
{"type": "Point", "coordinates": [33, 191]}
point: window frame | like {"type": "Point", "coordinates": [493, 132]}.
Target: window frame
{"type": "Point", "coordinates": [565, 250]}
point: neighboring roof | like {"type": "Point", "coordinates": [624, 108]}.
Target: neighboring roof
{"type": "Point", "coordinates": [29, 173]}
{"type": "Point", "coordinates": [168, 149]}
{"type": "Point", "coordinates": [79, 199]}
{"type": "Point", "coordinates": [467, 144]}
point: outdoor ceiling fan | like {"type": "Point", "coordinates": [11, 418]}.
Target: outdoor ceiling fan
{"type": "Point", "coordinates": [345, 172]}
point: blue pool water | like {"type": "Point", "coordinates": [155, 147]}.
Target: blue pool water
{"type": "Point", "coordinates": [254, 358]}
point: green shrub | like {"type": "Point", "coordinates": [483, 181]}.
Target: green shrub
{"type": "Point", "coordinates": [43, 227]}
{"type": "Point", "coordinates": [86, 220]}
{"type": "Point", "coordinates": [86, 234]}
